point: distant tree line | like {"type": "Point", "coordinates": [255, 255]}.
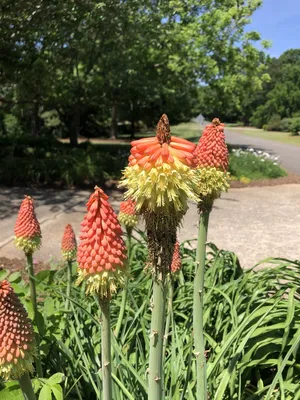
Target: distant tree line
{"type": "Point", "coordinates": [272, 104]}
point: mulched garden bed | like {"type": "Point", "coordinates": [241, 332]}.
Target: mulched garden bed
{"type": "Point", "coordinates": [17, 264]}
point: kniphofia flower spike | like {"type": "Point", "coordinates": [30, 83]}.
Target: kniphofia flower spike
{"type": "Point", "coordinates": [127, 215]}
{"type": "Point", "coordinates": [212, 162]}
{"type": "Point", "coordinates": [160, 174]}
{"type": "Point", "coordinates": [17, 346]}
{"type": "Point", "coordinates": [68, 244]}
{"type": "Point", "coordinates": [27, 229]}
{"type": "Point", "coordinates": [101, 252]}
{"type": "Point", "coordinates": [176, 261]}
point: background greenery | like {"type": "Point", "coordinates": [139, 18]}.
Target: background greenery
{"type": "Point", "coordinates": [94, 68]}
{"type": "Point", "coordinates": [29, 160]}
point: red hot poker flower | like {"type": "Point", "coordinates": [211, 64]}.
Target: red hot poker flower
{"type": "Point", "coordinates": [68, 244]}
{"type": "Point", "coordinates": [176, 261]}
{"type": "Point", "coordinates": [212, 150]}
{"type": "Point", "coordinates": [27, 229]}
{"type": "Point", "coordinates": [101, 252]}
{"type": "Point", "coordinates": [16, 335]}
{"type": "Point", "coordinates": [127, 215]}
{"type": "Point", "coordinates": [160, 174]}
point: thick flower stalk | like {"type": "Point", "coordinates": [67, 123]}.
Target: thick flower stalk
{"type": "Point", "coordinates": [17, 345]}
{"type": "Point", "coordinates": [27, 229]}
{"type": "Point", "coordinates": [28, 238]}
{"type": "Point", "coordinates": [211, 163]}
{"type": "Point", "coordinates": [160, 178]}
{"type": "Point", "coordinates": [175, 268]}
{"type": "Point", "coordinates": [69, 251]}
{"type": "Point", "coordinates": [129, 218]}
{"type": "Point", "coordinates": [102, 265]}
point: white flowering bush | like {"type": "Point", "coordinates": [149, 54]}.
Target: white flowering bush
{"type": "Point", "coordinates": [251, 164]}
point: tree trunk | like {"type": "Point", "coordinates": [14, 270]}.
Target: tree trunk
{"type": "Point", "coordinates": [2, 124]}
{"type": "Point", "coordinates": [132, 120]}
{"type": "Point", "coordinates": [35, 122]}
{"type": "Point", "coordinates": [245, 120]}
{"type": "Point", "coordinates": [132, 128]}
{"type": "Point", "coordinates": [114, 121]}
{"type": "Point", "coordinates": [75, 126]}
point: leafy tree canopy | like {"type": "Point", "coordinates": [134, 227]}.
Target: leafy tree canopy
{"type": "Point", "coordinates": [96, 63]}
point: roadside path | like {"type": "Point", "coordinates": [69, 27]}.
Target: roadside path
{"type": "Point", "coordinates": [289, 154]}
{"type": "Point", "coordinates": [254, 222]}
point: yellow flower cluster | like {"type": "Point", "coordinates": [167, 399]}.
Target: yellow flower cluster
{"type": "Point", "coordinates": [212, 182]}
{"type": "Point", "coordinates": [161, 186]}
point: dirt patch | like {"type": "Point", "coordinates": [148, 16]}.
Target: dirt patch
{"type": "Point", "coordinates": [17, 264]}
{"type": "Point", "coordinates": [291, 178]}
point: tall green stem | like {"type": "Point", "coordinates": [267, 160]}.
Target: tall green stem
{"type": "Point", "coordinates": [125, 291]}
{"type": "Point", "coordinates": [169, 315]}
{"type": "Point", "coordinates": [26, 387]}
{"type": "Point", "coordinates": [106, 349]}
{"type": "Point", "coordinates": [198, 308]}
{"type": "Point", "coordinates": [35, 310]}
{"type": "Point", "coordinates": [69, 284]}
{"type": "Point", "coordinates": [156, 339]}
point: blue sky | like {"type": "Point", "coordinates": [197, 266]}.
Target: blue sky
{"type": "Point", "coordinates": [278, 21]}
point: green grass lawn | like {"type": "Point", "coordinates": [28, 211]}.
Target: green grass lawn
{"type": "Point", "coordinates": [190, 131]}
{"type": "Point", "coordinates": [282, 137]}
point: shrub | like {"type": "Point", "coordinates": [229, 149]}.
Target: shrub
{"type": "Point", "coordinates": [295, 126]}
{"type": "Point", "coordinates": [250, 165]}
{"type": "Point", "coordinates": [258, 119]}
{"type": "Point", "coordinates": [12, 126]}
{"type": "Point", "coordinates": [285, 125]}
{"type": "Point", "coordinates": [274, 123]}
{"type": "Point", "coordinates": [30, 160]}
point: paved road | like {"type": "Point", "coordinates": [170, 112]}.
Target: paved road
{"type": "Point", "coordinates": [289, 155]}
{"type": "Point", "coordinates": [255, 222]}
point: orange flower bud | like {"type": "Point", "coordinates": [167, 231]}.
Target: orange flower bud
{"type": "Point", "coordinates": [68, 244]}
{"type": "Point", "coordinates": [211, 150]}
{"type": "Point", "coordinates": [127, 215]}
{"type": "Point", "coordinates": [212, 163]}
{"type": "Point", "coordinates": [101, 252]}
{"type": "Point", "coordinates": [176, 261]}
{"type": "Point", "coordinates": [27, 229]}
{"type": "Point", "coordinates": [17, 345]}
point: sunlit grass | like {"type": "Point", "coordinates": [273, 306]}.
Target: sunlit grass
{"type": "Point", "coordinates": [190, 130]}
{"type": "Point", "coordinates": [282, 137]}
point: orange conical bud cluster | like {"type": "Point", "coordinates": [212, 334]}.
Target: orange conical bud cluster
{"type": "Point", "coordinates": [68, 244]}
{"type": "Point", "coordinates": [161, 149]}
{"type": "Point", "coordinates": [16, 335]}
{"type": "Point", "coordinates": [27, 229]}
{"type": "Point", "coordinates": [127, 215]}
{"type": "Point", "coordinates": [212, 163]}
{"type": "Point", "coordinates": [159, 173]}
{"type": "Point", "coordinates": [212, 150]}
{"type": "Point", "coordinates": [101, 252]}
{"type": "Point", "coordinates": [176, 261]}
